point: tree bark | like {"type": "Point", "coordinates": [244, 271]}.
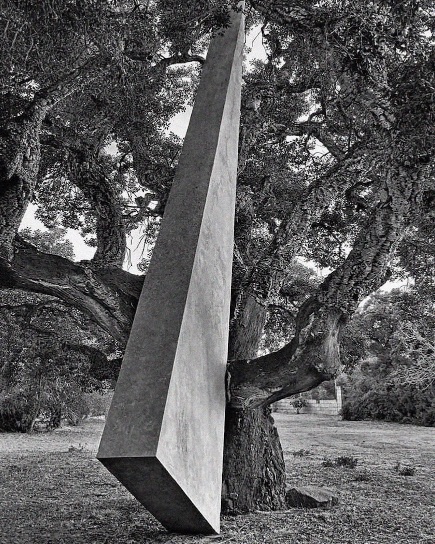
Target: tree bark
{"type": "Point", "coordinates": [89, 176]}
{"type": "Point", "coordinates": [300, 16]}
{"type": "Point", "coordinates": [247, 328]}
{"type": "Point", "coordinates": [19, 165]}
{"type": "Point", "coordinates": [254, 470]}
{"type": "Point", "coordinates": [108, 296]}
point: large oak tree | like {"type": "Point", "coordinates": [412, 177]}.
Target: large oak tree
{"type": "Point", "coordinates": [336, 159]}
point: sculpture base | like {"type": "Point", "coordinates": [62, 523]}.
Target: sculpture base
{"type": "Point", "coordinates": [148, 480]}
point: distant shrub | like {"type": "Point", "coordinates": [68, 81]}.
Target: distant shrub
{"type": "Point", "coordinates": [388, 352]}
{"type": "Point", "coordinates": [76, 409]}
{"type": "Point", "coordinates": [324, 391]}
{"type": "Point", "coordinates": [45, 385]}
{"type": "Point", "coordinates": [20, 411]}
{"type": "Point", "coordinates": [405, 404]}
{"type": "Point", "coordinates": [405, 470]}
{"type": "Point", "coordinates": [298, 404]}
{"type": "Point", "coordinates": [16, 411]}
{"type": "Point", "coordinates": [301, 453]}
{"type": "Point", "coordinates": [346, 461]}
{"type": "Point", "coordinates": [342, 461]}
{"type": "Point", "coordinates": [76, 449]}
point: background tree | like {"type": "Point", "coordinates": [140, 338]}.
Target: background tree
{"type": "Point", "coordinates": [389, 358]}
{"type": "Point", "coordinates": [50, 355]}
{"type": "Point", "coordinates": [335, 166]}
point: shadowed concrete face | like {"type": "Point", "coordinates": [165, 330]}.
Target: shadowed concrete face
{"type": "Point", "coordinates": [163, 437]}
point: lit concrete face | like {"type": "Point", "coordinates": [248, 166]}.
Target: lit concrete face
{"type": "Point", "coordinates": [163, 437]}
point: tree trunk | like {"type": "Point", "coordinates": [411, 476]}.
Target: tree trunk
{"type": "Point", "coordinates": [246, 330]}
{"type": "Point", "coordinates": [88, 174]}
{"type": "Point", "coordinates": [254, 470]}
{"type": "Point", "coordinates": [55, 417]}
{"type": "Point", "coordinates": [36, 408]}
{"type": "Point", "coordinates": [19, 164]}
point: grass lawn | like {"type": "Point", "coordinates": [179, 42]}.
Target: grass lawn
{"type": "Point", "coordinates": [52, 490]}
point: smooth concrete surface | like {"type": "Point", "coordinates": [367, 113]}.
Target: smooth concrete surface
{"type": "Point", "coordinates": [149, 481]}
{"type": "Point", "coordinates": [163, 437]}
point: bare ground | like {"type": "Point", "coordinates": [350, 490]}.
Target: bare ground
{"type": "Point", "coordinates": [52, 490]}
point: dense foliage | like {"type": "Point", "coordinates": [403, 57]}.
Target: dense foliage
{"type": "Point", "coordinates": [370, 397]}
{"type": "Point", "coordinates": [50, 356]}
{"type": "Point", "coordinates": [390, 356]}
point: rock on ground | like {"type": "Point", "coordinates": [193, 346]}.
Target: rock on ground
{"type": "Point", "coordinates": [310, 496]}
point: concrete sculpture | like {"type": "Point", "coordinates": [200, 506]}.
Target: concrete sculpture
{"type": "Point", "coordinates": [163, 437]}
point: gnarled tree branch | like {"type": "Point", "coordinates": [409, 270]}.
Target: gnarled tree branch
{"type": "Point", "coordinates": [107, 296]}
{"type": "Point", "coordinates": [313, 354]}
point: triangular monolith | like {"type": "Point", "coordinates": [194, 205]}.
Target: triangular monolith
{"type": "Point", "coordinates": [163, 437]}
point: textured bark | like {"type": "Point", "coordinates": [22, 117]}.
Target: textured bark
{"type": "Point", "coordinates": [107, 296]}
{"type": "Point", "coordinates": [104, 198]}
{"type": "Point", "coordinates": [308, 360]}
{"type": "Point", "coordinates": [298, 15]}
{"type": "Point", "coordinates": [19, 164]}
{"type": "Point", "coordinates": [246, 330]}
{"type": "Point", "coordinates": [254, 470]}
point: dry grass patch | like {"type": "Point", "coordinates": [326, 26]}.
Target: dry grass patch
{"type": "Point", "coordinates": [63, 495]}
